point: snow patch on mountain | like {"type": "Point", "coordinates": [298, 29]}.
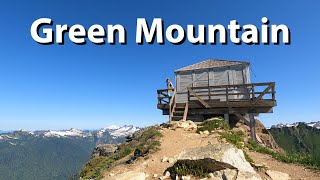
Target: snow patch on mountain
{"type": "Point", "coordinates": [6, 137]}
{"type": "Point", "coordinates": [113, 131]}
{"type": "Point", "coordinates": [13, 144]}
{"type": "Point", "coordinates": [117, 132]}
{"type": "Point", "coordinates": [311, 124]}
{"type": "Point", "coordinates": [112, 127]}
{"type": "Point", "coordinates": [71, 132]}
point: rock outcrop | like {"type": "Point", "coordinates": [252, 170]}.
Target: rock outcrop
{"type": "Point", "coordinates": [263, 136]}
{"type": "Point", "coordinates": [184, 151]}
{"type": "Point", "coordinates": [104, 150]}
{"type": "Point", "coordinates": [186, 125]}
{"type": "Point", "coordinates": [225, 153]}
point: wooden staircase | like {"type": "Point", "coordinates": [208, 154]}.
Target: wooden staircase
{"type": "Point", "coordinates": [177, 111]}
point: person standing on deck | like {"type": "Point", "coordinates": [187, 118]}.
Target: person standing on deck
{"type": "Point", "coordinates": [169, 87]}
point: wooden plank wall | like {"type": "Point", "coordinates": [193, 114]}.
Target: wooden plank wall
{"type": "Point", "coordinates": [214, 76]}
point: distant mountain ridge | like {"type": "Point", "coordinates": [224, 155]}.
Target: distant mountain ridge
{"type": "Point", "coordinates": [117, 132]}
{"type": "Point", "coordinates": [53, 154]}
{"type": "Point", "coordinates": [299, 137]}
{"type": "Point", "coordinates": [310, 124]}
{"type": "Point", "coordinates": [113, 130]}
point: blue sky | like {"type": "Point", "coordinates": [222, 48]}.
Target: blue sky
{"type": "Point", "coordinates": [90, 86]}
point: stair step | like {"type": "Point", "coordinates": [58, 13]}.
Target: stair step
{"type": "Point", "coordinates": [177, 118]}
{"type": "Point", "coordinates": [181, 105]}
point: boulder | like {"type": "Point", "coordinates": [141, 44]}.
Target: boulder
{"type": "Point", "coordinates": [171, 160]}
{"type": "Point", "coordinates": [165, 176]}
{"type": "Point", "coordinates": [276, 175]}
{"type": "Point", "coordinates": [186, 125]}
{"type": "Point", "coordinates": [104, 150]}
{"type": "Point", "coordinates": [206, 132]}
{"type": "Point", "coordinates": [244, 175]}
{"type": "Point", "coordinates": [225, 153]}
{"type": "Point", "coordinates": [185, 177]}
{"type": "Point", "coordinates": [130, 175]}
{"type": "Point", "coordinates": [226, 174]}
{"type": "Point", "coordinates": [164, 159]}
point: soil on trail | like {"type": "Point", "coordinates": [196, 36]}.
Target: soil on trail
{"type": "Point", "coordinates": [296, 172]}
{"type": "Point", "coordinates": [174, 142]}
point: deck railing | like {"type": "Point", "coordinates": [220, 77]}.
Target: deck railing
{"type": "Point", "coordinates": [164, 97]}
{"type": "Point", "coordinates": [242, 92]}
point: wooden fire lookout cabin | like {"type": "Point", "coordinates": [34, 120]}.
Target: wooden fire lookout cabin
{"type": "Point", "coordinates": [217, 88]}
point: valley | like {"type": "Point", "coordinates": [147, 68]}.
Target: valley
{"type": "Point", "coordinates": [52, 154]}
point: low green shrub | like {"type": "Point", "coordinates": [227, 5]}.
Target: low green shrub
{"type": "Point", "coordinates": [150, 133]}
{"type": "Point", "coordinates": [233, 137]}
{"type": "Point", "coordinates": [93, 168]}
{"type": "Point", "coordinates": [306, 160]}
{"type": "Point", "coordinates": [189, 169]}
{"type": "Point", "coordinates": [213, 124]}
{"type": "Point", "coordinates": [142, 143]}
{"type": "Point", "coordinates": [198, 168]}
{"type": "Point", "coordinates": [248, 158]}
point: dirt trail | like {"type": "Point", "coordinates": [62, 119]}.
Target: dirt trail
{"type": "Point", "coordinates": [296, 172]}
{"type": "Point", "coordinates": [174, 142]}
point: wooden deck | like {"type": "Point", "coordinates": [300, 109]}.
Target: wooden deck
{"type": "Point", "coordinates": [226, 99]}
{"type": "Point", "coordinates": [243, 101]}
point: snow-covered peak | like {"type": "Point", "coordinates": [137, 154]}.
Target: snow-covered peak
{"type": "Point", "coordinates": [314, 124]}
{"type": "Point", "coordinates": [112, 127]}
{"type": "Point", "coordinates": [64, 133]}
{"type": "Point", "coordinates": [311, 124]}
{"type": "Point", "coordinates": [116, 131]}
{"type": "Point", "coordinates": [113, 130]}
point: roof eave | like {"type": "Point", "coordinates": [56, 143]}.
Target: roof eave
{"type": "Point", "coordinates": [243, 62]}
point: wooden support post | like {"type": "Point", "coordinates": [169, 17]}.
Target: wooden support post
{"type": "Point", "coordinates": [226, 118]}
{"type": "Point", "coordinates": [253, 96]}
{"type": "Point", "coordinates": [252, 127]}
{"type": "Point", "coordinates": [172, 108]}
{"type": "Point", "coordinates": [159, 100]}
{"type": "Point", "coordinates": [273, 93]}
{"type": "Point", "coordinates": [243, 119]}
{"type": "Point", "coordinates": [227, 95]}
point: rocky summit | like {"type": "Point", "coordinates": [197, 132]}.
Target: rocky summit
{"type": "Point", "coordinates": [208, 150]}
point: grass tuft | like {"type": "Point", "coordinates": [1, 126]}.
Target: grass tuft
{"type": "Point", "coordinates": [305, 160]}
{"type": "Point", "coordinates": [233, 137]}
{"type": "Point", "coordinates": [198, 168]}
{"type": "Point", "coordinates": [213, 124]}
{"type": "Point", "coordinates": [93, 168]}
{"type": "Point", "coordinates": [183, 169]}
